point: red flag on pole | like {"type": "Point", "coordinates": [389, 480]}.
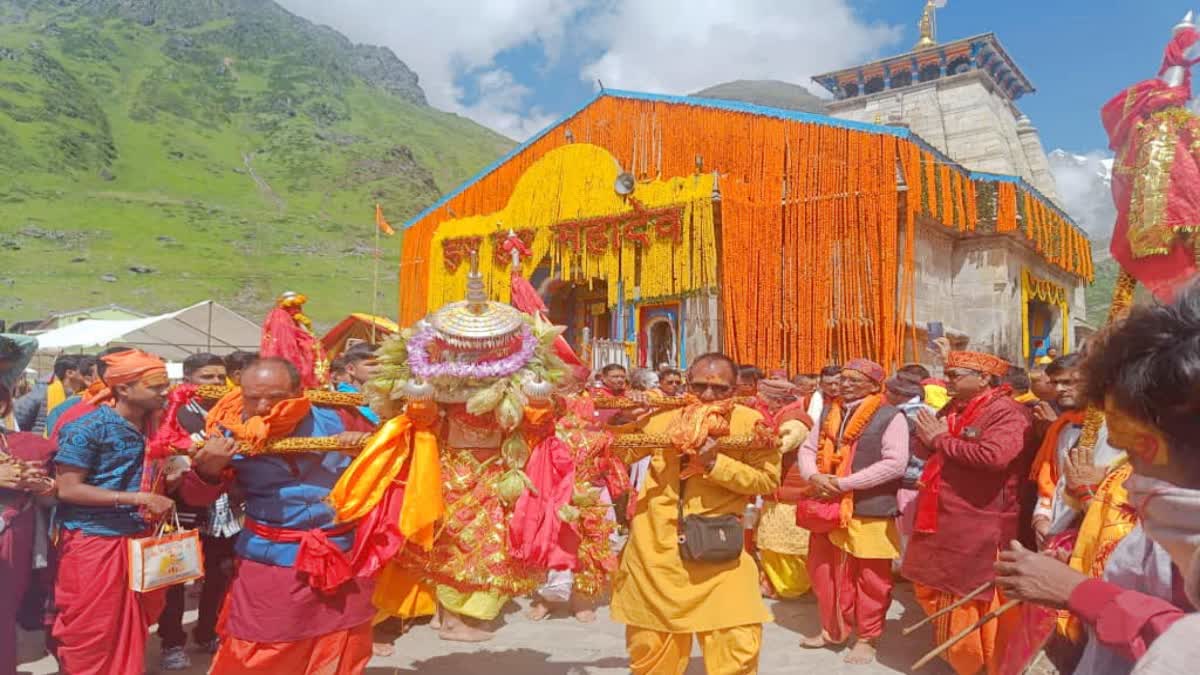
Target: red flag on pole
{"type": "Point", "coordinates": [381, 223]}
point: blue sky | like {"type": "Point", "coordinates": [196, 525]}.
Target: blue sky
{"type": "Point", "coordinates": [1077, 54]}
{"type": "Point", "coordinates": [516, 65]}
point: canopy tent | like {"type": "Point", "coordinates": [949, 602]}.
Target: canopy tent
{"type": "Point", "coordinates": [357, 326]}
{"type": "Point", "coordinates": [204, 327]}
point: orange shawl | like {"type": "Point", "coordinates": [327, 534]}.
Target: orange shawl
{"type": "Point", "coordinates": [1045, 469]}
{"type": "Point", "coordinates": [279, 423]}
{"type": "Point", "coordinates": [698, 422]}
{"type": "Point", "coordinates": [836, 459]}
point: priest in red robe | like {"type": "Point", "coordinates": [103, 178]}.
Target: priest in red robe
{"type": "Point", "coordinates": [977, 450]}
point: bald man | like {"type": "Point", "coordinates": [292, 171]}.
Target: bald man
{"type": "Point", "coordinates": [294, 606]}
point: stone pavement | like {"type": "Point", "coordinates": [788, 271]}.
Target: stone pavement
{"type": "Point", "coordinates": [562, 646]}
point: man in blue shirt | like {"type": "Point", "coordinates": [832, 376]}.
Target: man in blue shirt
{"type": "Point", "coordinates": [109, 494]}
{"type": "Point", "coordinates": [294, 605]}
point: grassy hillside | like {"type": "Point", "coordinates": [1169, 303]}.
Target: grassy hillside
{"type": "Point", "coordinates": [157, 153]}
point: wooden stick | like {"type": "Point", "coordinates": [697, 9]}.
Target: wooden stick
{"type": "Point", "coordinates": [945, 610]}
{"type": "Point", "coordinates": [937, 651]}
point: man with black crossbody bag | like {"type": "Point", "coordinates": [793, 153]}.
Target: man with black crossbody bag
{"type": "Point", "coordinates": [684, 572]}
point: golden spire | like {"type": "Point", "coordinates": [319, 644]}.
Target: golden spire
{"type": "Point", "coordinates": [927, 26]}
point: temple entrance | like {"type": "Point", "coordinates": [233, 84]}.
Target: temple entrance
{"type": "Point", "coordinates": [1043, 320]}
{"type": "Point", "coordinates": [658, 340]}
{"type": "Point", "coordinates": [581, 307]}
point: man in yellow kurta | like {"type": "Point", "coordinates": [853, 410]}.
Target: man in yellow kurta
{"type": "Point", "coordinates": [663, 599]}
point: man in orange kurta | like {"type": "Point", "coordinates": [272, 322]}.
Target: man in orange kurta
{"type": "Point", "coordinates": [665, 600]}
{"type": "Point", "coordinates": [978, 451]}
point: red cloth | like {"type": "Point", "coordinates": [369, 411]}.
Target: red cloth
{"type": "Point", "coordinates": [16, 546]}
{"type": "Point", "coordinates": [959, 420]}
{"type": "Point", "coordinates": [977, 507]}
{"type": "Point", "coordinates": [282, 337]}
{"type": "Point", "coordinates": [345, 652]}
{"type": "Point", "coordinates": [792, 485]}
{"type": "Point", "coordinates": [1124, 621]}
{"type": "Point", "coordinates": [171, 437]}
{"type": "Point", "coordinates": [1161, 272]}
{"type": "Point", "coordinates": [322, 563]}
{"type": "Point", "coordinates": [101, 626]}
{"type": "Point", "coordinates": [526, 299]}
{"type": "Point", "coordinates": [267, 603]}
{"type": "Point", "coordinates": [536, 534]}
{"type": "Point", "coordinates": [853, 594]}
{"type": "Point", "coordinates": [353, 420]}
{"type": "Point", "coordinates": [378, 539]}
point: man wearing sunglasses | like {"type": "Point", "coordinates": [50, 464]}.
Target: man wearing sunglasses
{"type": "Point", "coordinates": [978, 451]}
{"type": "Point", "coordinates": [662, 598]}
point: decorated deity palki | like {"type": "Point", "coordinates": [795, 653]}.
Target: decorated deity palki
{"type": "Point", "coordinates": [287, 333]}
{"type": "Point", "coordinates": [468, 492]}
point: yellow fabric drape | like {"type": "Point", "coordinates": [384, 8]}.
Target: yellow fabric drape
{"type": "Point", "coordinates": [371, 474]}
{"type": "Point", "coordinates": [573, 184]}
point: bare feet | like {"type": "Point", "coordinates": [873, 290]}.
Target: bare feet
{"type": "Point", "coordinates": [383, 649]}
{"type": "Point", "coordinates": [584, 609]}
{"type": "Point", "coordinates": [464, 633]}
{"type": "Point", "coordinates": [818, 641]}
{"type": "Point", "coordinates": [456, 628]}
{"type": "Point", "coordinates": [539, 610]}
{"type": "Point", "coordinates": [863, 652]}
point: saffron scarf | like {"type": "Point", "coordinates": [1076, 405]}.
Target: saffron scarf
{"type": "Point", "coordinates": [407, 441]}
{"type": "Point", "coordinates": [931, 478]}
{"type": "Point", "coordinates": [1045, 469]}
{"type": "Point", "coordinates": [835, 456]}
{"type": "Point", "coordinates": [283, 419]}
{"type": "Point", "coordinates": [697, 423]}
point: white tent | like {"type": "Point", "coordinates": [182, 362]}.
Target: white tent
{"type": "Point", "coordinates": [204, 327]}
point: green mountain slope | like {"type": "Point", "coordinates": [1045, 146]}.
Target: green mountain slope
{"type": "Point", "coordinates": [160, 152]}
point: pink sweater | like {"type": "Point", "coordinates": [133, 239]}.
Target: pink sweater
{"type": "Point", "coordinates": [891, 467]}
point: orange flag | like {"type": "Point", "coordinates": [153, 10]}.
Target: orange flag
{"type": "Point", "coordinates": [381, 223]}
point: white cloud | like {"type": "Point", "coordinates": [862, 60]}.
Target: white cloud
{"type": "Point", "coordinates": [680, 46]}
{"type": "Point", "coordinates": [1085, 189]}
{"type": "Point", "coordinates": [443, 40]}
{"type": "Point", "coordinates": [667, 46]}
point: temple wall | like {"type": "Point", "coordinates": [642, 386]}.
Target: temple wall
{"type": "Point", "coordinates": [973, 286]}
{"type": "Point", "coordinates": [963, 117]}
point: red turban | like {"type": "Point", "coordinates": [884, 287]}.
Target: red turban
{"type": "Point", "coordinates": [866, 367]}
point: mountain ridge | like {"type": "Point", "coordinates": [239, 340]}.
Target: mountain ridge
{"type": "Point", "coordinates": [221, 148]}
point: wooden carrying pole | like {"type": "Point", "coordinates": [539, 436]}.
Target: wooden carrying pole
{"type": "Point", "coordinates": [961, 635]}
{"type": "Point", "coordinates": [946, 610]}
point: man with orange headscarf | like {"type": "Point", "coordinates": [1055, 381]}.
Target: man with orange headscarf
{"type": "Point", "coordinates": [110, 491]}
{"type": "Point", "coordinates": [295, 604]}
{"type": "Point", "coordinates": [977, 450]}
{"type": "Point", "coordinates": [856, 456]}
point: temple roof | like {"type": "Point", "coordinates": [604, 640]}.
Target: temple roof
{"type": "Point", "coordinates": [976, 53]}
{"type": "Point", "coordinates": [748, 108]}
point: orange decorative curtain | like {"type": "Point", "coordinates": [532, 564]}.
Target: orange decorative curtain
{"type": "Point", "coordinates": [816, 258]}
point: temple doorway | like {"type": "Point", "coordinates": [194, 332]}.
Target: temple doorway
{"type": "Point", "coordinates": [581, 307]}
{"type": "Point", "coordinates": [1043, 320]}
{"type": "Point", "coordinates": [659, 336]}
